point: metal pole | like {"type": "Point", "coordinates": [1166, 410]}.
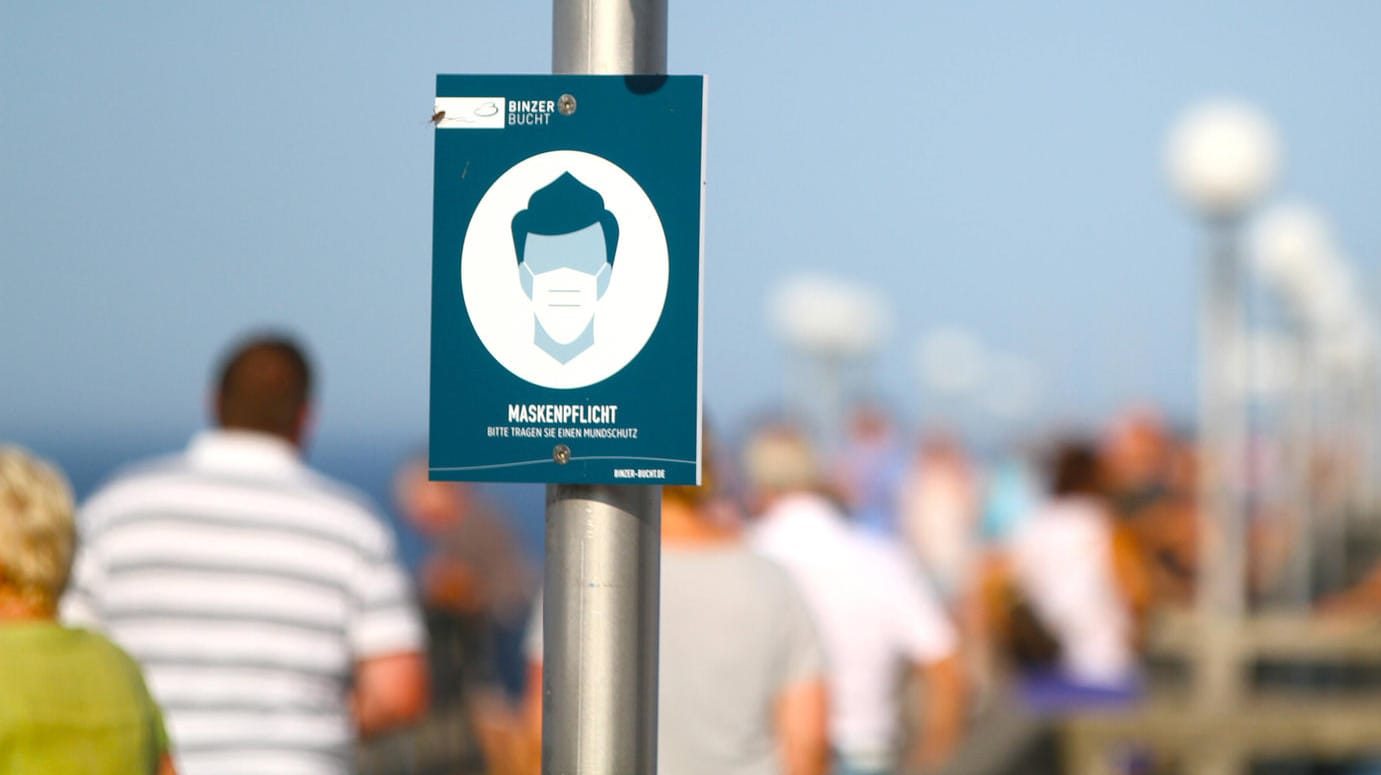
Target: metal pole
{"type": "Point", "coordinates": [617, 37]}
{"type": "Point", "coordinates": [1369, 446]}
{"type": "Point", "coordinates": [1301, 462]}
{"type": "Point", "coordinates": [1334, 509]}
{"type": "Point", "coordinates": [1222, 428]}
{"type": "Point", "coordinates": [603, 553]}
{"type": "Point", "coordinates": [599, 651]}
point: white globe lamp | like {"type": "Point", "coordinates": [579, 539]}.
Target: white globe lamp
{"type": "Point", "coordinates": [1222, 157]}
{"type": "Point", "coordinates": [1289, 243]}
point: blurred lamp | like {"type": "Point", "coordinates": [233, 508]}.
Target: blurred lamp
{"type": "Point", "coordinates": [1328, 297]}
{"type": "Point", "coordinates": [1293, 247]}
{"type": "Point", "coordinates": [829, 316]}
{"type": "Point", "coordinates": [1222, 156]}
{"type": "Point", "coordinates": [1289, 243]}
{"type": "Point", "coordinates": [951, 360]}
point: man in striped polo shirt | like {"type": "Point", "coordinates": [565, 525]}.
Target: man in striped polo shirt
{"type": "Point", "coordinates": [264, 600]}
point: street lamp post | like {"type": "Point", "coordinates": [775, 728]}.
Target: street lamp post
{"type": "Point", "coordinates": [1344, 355]}
{"type": "Point", "coordinates": [1292, 250]}
{"type": "Point", "coordinates": [831, 327]}
{"type": "Point", "coordinates": [953, 364]}
{"type": "Point", "coordinates": [1295, 252]}
{"type": "Point", "coordinates": [1221, 157]}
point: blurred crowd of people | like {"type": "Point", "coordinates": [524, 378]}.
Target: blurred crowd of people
{"type": "Point", "coordinates": [843, 608]}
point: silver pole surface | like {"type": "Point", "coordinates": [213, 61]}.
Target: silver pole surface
{"type": "Point", "coordinates": [1333, 513]}
{"type": "Point", "coordinates": [614, 37]}
{"type": "Point", "coordinates": [1369, 442]}
{"type": "Point", "coordinates": [603, 553]}
{"type": "Point", "coordinates": [599, 650]}
{"type": "Point", "coordinates": [1222, 428]}
{"type": "Point", "coordinates": [1301, 461]}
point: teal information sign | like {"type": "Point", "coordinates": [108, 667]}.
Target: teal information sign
{"type": "Point", "coordinates": [566, 279]}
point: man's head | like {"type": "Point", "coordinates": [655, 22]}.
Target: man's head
{"type": "Point", "coordinates": [36, 533]}
{"type": "Point", "coordinates": [779, 460]}
{"type": "Point", "coordinates": [1076, 470]}
{"type": "Point", "coordinates": [1137, 450]}
{"type": "Point", "coordinates": [870, 424]}
{"type": "Point", "coordinates": [265, 385]}
{"type": "Point", "coordinates": [433, 507]}
{"type": "Point", "coordinates": [564, 207]}
{"type": "Point", "coordinates": [565, 242]}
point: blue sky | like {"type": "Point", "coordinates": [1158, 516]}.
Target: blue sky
{"type": "Point", "coordinates": [173, 174]}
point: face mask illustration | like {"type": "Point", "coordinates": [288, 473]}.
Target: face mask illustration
{"type": "Point", "coordinates": [563, 301]}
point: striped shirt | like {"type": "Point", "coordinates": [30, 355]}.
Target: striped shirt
{"type": "Point", "coordinates": [248, 587]}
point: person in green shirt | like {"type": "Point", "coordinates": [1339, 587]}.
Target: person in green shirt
{"type": "Point", "coordinates": [71, 702]}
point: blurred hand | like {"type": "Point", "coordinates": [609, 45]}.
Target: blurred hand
{"type": "Point", "coordinates": [802, 727]}
{"type": "Point", "coordinates": [504, 736]}
{"type": "Point", "coordinates": [945, 702]}
{"type": "Point", "coordinates": [390, 692]}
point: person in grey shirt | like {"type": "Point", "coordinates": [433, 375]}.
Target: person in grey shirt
{"type": "Point", "coordinates": [742, 684]}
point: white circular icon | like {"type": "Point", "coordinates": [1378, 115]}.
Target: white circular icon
{"type": "Point", "coordinates": [564, 269]}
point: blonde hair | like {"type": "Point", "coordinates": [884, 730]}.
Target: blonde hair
{"type": "Point", "coordinates": [37, 535]}
{"type": "Point", "coordinates": [779, 459]}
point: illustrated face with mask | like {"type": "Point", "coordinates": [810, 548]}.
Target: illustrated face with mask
{"type": "Point", "coordinates": [564, 276]}
{"type": "Point", "coordinates": [565, 271]}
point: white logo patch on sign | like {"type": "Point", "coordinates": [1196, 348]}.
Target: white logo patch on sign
{"type": "Point", "coordinates": [564, 269]}
{"type": "Point", "coordinates": [470, 112]}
